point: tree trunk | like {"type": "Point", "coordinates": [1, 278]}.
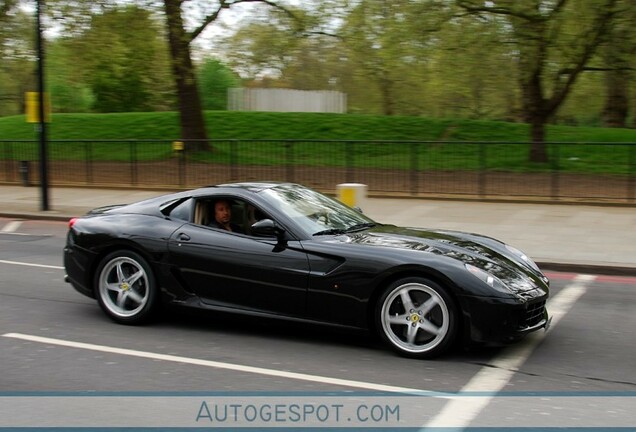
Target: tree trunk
{"type": "Point", "coordinates": [616, 101]}
{"type": "Point", "coordinates": [386, 89]}
{"type": "Point", "coordinates": [538, 152]}
{"type": "Point", "coordinates": [617, 77]}
{"type": "Point", "coordinates": [536, 114]}
{"type": "Point", "coordinates": [191, 115]}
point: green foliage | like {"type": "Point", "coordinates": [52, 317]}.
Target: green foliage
{"type": "Point", "coordinates": [126, 66]}
{"type": "Point", "coordinates": [160, 125]}
{"type": "Point", "coordinates": [69, 92]}
{"type": "Point", "coordinates": [224, 125]}
{"type": "Point", "coordinates": [214, 78]}
{"type": "Point", "coordinates": [16, 59]}
{"type": "Point", "coordinates": [406, 58]}
{"type": "Point", "coordinates": [368, 141]}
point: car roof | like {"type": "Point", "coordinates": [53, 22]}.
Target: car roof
{"type": "Point", "coordinates": [254, 187]}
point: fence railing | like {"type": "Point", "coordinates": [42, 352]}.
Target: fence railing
{"type": "Point", "coordinates": [589, 172]}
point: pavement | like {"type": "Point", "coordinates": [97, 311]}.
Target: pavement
{"type": "Point", "coordinates": [561, 237]}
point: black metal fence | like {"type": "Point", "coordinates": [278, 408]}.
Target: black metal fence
{"type": "Point", "coordinates": [589, 172]}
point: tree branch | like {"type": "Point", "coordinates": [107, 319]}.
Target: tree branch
{"type": "Point", "coordinates": [474, 9]}
{"type": "Point", "coordinates": [323, 33]}
{"type": "Point", "coordinates": [5, 7]}
{"type": "Point", "coordinates": [208, 20]}
{"type": "Point", "coordinates": [225, 4]}
{"type": "Point", "coordinates": [558, 7]}
{"type": "Point", "coordinates": [567, 71]}
{"type": "Point", "coordinates": [603, 21]}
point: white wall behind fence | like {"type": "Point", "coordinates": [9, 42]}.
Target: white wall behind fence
{"type": "Point", "coordinates": [286, 100]}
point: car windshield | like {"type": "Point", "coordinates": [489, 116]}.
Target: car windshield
{"type": "Point", "coordinates": [314, 212]}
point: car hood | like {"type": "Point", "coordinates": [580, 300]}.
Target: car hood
{"type": "Point", "coordinates": [480, 251]}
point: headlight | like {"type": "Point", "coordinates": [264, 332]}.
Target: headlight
{"type": "Point", "coordinates": [523, 257]}
{"type": "Point", "coordinates": [487, 278]}
{"type": "Point", "coordinates": [522, 287]}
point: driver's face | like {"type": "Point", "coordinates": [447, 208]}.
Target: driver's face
{"type": "Point", "coordinates": [222, 212]}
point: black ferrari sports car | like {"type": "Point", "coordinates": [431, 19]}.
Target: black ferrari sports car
{"type": "Point", "coordinates": [286, 251]}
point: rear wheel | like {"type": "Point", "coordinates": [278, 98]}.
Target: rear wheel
{"type": "Point", "coordinates": [125, 287]}
{"type": "Point", "coordinates": [416, 317]}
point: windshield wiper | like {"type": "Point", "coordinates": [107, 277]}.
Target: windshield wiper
{"type": "Point", "coordinates": [332, 231]}
{"type": "Point", "coordinates": [356, 227]}
{"type": "Point", "coordinates": [361, 226]}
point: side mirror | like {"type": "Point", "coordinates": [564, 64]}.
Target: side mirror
{"type": "Point", "coordinates": [267, 228]}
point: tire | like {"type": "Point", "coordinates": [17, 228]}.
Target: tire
{"type": "Point", "coordinates": [416, 317]}
{"type": "Point", "coordinates": [125, 288]}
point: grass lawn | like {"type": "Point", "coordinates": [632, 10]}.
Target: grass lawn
{"type": "Point", "coordinates": [298, 138]}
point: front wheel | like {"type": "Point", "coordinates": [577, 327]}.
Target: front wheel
{"type": "Point", "coordinates": [125, 287]}
{"type": "Point", "coordinates": [417, 318]}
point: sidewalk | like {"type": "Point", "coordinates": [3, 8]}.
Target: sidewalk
{"type": "Point", "coordinates": [580, 238]}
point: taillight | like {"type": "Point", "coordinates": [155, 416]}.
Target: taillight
{"type": "Point", "coordinates": [72, 222]}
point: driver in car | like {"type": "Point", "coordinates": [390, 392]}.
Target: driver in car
{"type": "Point", "coordinates": [223, 216]}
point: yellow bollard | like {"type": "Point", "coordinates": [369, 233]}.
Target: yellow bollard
{"type": "Point", "coordinates": [352, 194]}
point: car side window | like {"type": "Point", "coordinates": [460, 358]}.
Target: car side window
{"type": "Point", "coordinates": [242, 214]}
{"type": "Point", "coordinates": [201, 212]}
{"type": "Point", "coordinates": [182, 211]}
{"type": "Point", "coordinates": [245, 215]}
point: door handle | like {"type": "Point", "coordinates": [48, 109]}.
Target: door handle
{"type": "Point", "coordinates": [183, 237]}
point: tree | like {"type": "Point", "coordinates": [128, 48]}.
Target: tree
{"type": "Point", "coordinates": [190, 111]}
{"type": "Point", "coordinates": [387, 40]}
{"type": "Point", "coordinates": [261, 48]}
{"type": "Point", "coordinates": [179, 39]}
{"type": "Point", "coordinates": [6, 8]}
{"type": "Point", "coordinates": [617, 56]}
{"type": "Point", "coordinates": [214, 80]}
{"type": "Point", "coordinates": [268, 50]}
{"type": "Point", "coordinates": [16, 57]}
{"type": "Point", "coordinates": [471, 73]}
{"type": "Point", "coordinates": [554, 41]}
{"type": "Point", "coordinates": [127, 66]}
{"type": "Point", "coordinates": [66, 83]}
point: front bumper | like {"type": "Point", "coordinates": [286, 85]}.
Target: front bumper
{"type": "Point", "coordinates": [497, 320]}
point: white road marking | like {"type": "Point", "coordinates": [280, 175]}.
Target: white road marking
{"type": "Point", "coordinates": [461, 411]}
{"type": "Point", "coordinates": [31, 264]}
{"type": "Point", "coordinates": [11, 227]}
{"type": "Point", "coordinates": [215, 364]}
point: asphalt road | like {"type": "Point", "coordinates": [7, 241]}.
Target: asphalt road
{"type": "Point", "coordinates": [52, 339]}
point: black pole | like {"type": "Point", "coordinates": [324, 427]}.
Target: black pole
{"type": "Point", "coordinates": [44, 183]}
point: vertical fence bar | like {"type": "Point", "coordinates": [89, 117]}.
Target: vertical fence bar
{"type": "Point", "coordinates": [88, 154]}
{"type": "Point", "coordinates": [8, 154]}
{"type": "Point", "coordinates": [632, 173]}
{"type": "Point", "coordinates": [133, 162]}
{"type": "Point", "coordinates": [415, 167]}
{"type": "Point", "coordinates": [349, 162]}
{"type": "Point", "coordinates": [233, 160]}
{"type": "Point", "coordinates": [482, 170]}
{"type": "Point", "coordinates": [555, 172]}
{"type": "Point", "coordinates": [181, 172]}
{"type": "Point", "coordinates": [14, 151]}
{"type": "Point", "coordinates": [5, 160]}
{"type": "Point", "coordinates": [86, 162]}
{"type": "Point", "coordinates": [289, 156]}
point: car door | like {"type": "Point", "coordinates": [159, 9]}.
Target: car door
{"type": "Point", "coordinates": [234, 270]}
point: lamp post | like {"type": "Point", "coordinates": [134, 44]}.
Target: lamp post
{"type": "Point", "coordinates": [44, 204]}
